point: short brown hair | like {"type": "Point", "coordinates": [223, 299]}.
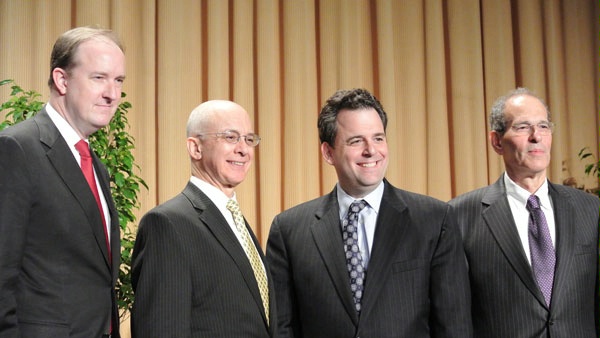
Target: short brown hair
{"type": "Point", "coordinates": [65, 47]}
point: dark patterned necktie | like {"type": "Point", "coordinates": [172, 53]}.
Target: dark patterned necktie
{"type": "Point", "coordinates": [353, 257]}
{"type": "Point", "coordinates": [543, 257]}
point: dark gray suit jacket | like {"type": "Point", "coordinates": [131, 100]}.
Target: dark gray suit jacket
{"type": "Point", "coordinates": [191, 276]}
{"type": "Point", "coordinates": [55, 276]}
{"type": "Point", "coordinates": [506, 299]}
{"type": "Point", "coordinates": [416, 284]}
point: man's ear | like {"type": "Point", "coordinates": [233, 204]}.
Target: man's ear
{"type": "Point", "coordinates": [60, 78]}
{"type": "Point", "coordinates": [194, 148]}
{"type": "Point", "coordinates": [496, 141]}
{"type": "Point", "coordinates": [327, 152]}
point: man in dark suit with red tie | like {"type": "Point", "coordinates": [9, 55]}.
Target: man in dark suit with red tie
{"type": "Point", "coordinates": [59, 242]}
{"type": "Point", "coordinates": [531, 245]}
{"type": "Point", "coordinates": [367, 260]}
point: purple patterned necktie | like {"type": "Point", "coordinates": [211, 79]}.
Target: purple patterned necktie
{"type": "Point", "coordinates": [543, 256]}
{"type": "Point", "coordinates": [353, 257]}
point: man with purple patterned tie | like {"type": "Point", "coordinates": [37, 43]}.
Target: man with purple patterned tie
{"type": "Point", "coordinates": [531, 245]}
{"type": "Point", "coordinates": [367, 260]}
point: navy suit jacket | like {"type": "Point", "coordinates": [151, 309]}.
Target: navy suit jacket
{"type": "Point", "coordinates": [416, 284]}
{"type": "Point", "coordinates": [506, 299]}
{"type": "Point", "coordinates": [56, 279]}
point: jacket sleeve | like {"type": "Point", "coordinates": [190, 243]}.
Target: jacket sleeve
{"type": "Point", "coordinates": [287, 324]}
{"type": "Point", "coordinates": [450, 291]}
{"type": "Point", "coordinates": [16, 193]}
{"type": "Point", "coordinates": [161, 281]}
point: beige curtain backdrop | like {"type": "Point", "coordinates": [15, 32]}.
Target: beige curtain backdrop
{"type": "Point", "coordinates": [435, 65]}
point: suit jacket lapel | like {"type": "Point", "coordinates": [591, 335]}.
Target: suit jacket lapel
{"type": "Point", "coordinates": [498, 217]}
{"type": "Point", "coordinates": [212, 218]}
{"type": "Point", "coordinates": [115, 228]}
{"type": "Point", "coordinates": [66, 166]}
{"type": "Point", "coordinates": [326, 231]}
{"type": "Point", "coordinates": [564, 243]}
{"type": "Point", "coordinates": [392, 221]}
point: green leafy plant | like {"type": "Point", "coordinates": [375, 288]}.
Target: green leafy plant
{"type": "Point", "coordinates": [590, 168]}
{"type": "Point", "coordinates": [114, 145]}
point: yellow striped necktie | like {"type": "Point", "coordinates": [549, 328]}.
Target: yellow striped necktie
{"type": "Point", "coordinates": [252, 253]}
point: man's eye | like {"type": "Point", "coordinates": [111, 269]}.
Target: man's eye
{"type": "Point", "coordinates": [231, 138]}
{"type": "Point", "coordinates": [522, 127]}
{"type": "Point", "coordinates": [544, 126]}
{"type": "Point", "coordinates": [355, 142]}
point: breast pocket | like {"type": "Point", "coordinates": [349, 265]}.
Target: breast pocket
{"type": "Point", "coordinates": [586, 249]}
{"type": "Point", "coordinates": [411, 278]}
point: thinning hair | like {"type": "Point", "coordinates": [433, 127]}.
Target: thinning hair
{"type": "Point", "coordinates": [498, 113]}
{"type": "Point", "coordinates": [64, 52]}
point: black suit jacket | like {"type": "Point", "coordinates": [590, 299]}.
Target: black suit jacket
{"type": "Point", "coordinates": [416, 284]}
{"type": "Point", "coordinates": [55, 276]}
{"type": "Point", "coordinates": [191, 276]}
{"type": "Point", "coordinates": [506, 299]}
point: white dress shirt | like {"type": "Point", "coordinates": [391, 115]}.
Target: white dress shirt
{"type": "Point", "coordinates": [517, 199]}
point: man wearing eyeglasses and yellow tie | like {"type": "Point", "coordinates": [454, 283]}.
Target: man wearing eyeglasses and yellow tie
{"type": "Point", "coordinates": [531, 245]}
{"type": "Point", "coordinates": [198, 270]}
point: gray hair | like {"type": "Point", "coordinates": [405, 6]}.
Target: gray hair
{"type": "Point", "coordinates": [498, 116]}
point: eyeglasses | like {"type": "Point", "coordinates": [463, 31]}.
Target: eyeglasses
{"type": "Point", "coordinates": [233, 137]}
{"type": "Point", "coordinates": [526, 128]}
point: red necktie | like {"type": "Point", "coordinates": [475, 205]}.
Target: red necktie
{"type": "Point", "coordinates": [88, 171]}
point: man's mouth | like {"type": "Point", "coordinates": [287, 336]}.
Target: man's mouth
{"type": "Point", "coordinates": [368, 164]}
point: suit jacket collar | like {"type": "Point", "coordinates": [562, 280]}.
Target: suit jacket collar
{"type": "Point", "coordinates": [565, 238]}
{"type": "Point", "coordinates": [327, 235]}
{"type": "Point", "coordinates": [391, 224]}
{"type": "Point", "coordinates": [60, 156]}
{"type": "Point", "coordinates": [326, 231]}
{"type": "Point", "coordinates": [212, 218]}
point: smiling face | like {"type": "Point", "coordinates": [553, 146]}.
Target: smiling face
{"type": "Point", "coordinates": [214, 160]}
{"type": "Point", "coordinates": [526, 156]}
{"type": "Point", "coordinates": [359, 154]}
{"type": "Point", "coordinates": [89, 93]}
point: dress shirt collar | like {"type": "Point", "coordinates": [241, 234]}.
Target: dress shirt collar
{"type": "Point", "coordinates": [65, 129]}
{"type": "Point", "coordinates": [521, 195]}
{"type": "Point", "coordinates": [217, 196]}
{"type": "Point", "coordinates": [373, 199]}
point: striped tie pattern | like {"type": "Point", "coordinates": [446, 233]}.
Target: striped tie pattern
{"type": "Point", "coordinates": [252, 253]}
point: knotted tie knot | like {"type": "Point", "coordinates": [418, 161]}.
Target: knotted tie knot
{"type": "Point", "coordinates": [234, 207]}
{"type": "Point", "coordinates": [83, 148]}
{"type": "Point", "coordinates": [533, 202]}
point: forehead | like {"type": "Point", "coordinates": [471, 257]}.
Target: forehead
{"type": "Point", "coordinates": [365, 119]}
{"type": "Point", "coordinates": [232, 118]}
{"type": "Point", "coordinates": [524, 107]}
